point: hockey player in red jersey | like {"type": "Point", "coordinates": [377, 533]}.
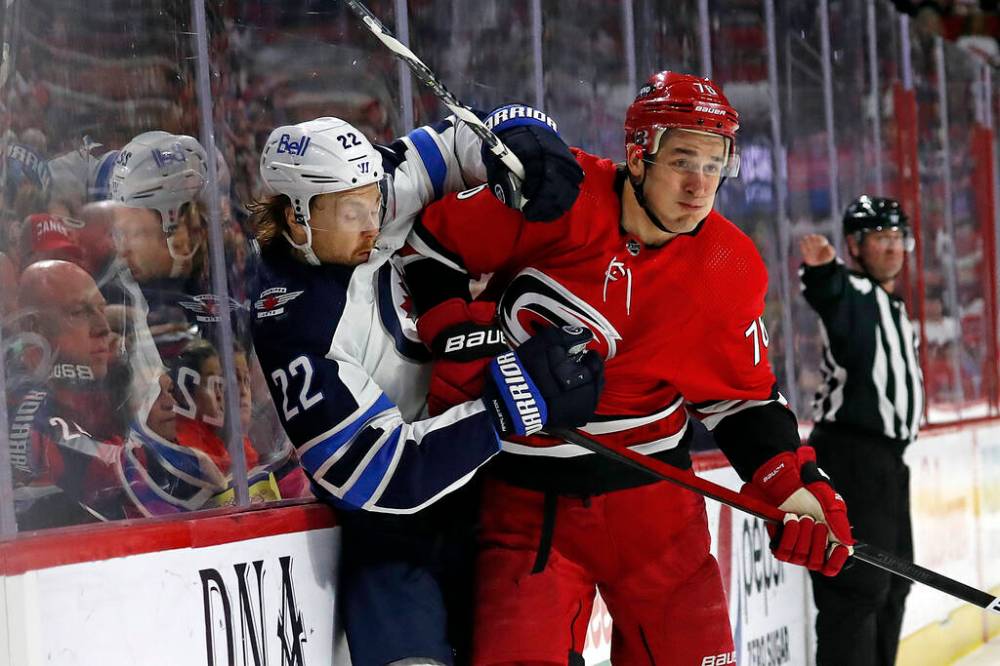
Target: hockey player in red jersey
{"type": "Point", "coordinates": [673, 293]}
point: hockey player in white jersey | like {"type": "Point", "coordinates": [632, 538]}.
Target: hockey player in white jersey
{"type": "Point", "coordinates": [349, 375]}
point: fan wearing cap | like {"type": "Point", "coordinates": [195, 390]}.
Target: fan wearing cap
{"type": "Point", "coordinates": [867, 410]}
{"type": "Point", "coordinates": [45, 236]}
{"type": "Point", "coordinates": [673, 295]}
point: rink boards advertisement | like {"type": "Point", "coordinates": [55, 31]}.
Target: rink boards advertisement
{"type": "Point", "coordinates": [266, 600]}
{"type": "Point", "coordinates": [258, 587]}
{"type": "Point", "coordinates": [766, 597]}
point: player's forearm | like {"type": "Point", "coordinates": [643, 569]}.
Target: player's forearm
{"type": "Point", "coordinates": [753, 436]}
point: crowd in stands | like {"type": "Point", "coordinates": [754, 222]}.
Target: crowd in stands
{"type": "Point", "coordinates": [113, 379]}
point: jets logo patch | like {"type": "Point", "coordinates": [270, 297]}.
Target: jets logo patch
{"type": "Point", "coordinates": [272, 301]}
{"type": "Point", "coordinates": [206, 307]}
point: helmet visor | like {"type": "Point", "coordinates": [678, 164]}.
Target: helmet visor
{"type": "Point", "coordinates": [725, 166]}
{"type": "Point", "coordinates": [357, 210]}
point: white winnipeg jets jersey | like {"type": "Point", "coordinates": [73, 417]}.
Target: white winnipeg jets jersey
{"type": "Point", "coordinates": [346, 369]}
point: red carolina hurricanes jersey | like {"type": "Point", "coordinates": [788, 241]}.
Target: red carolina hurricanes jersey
{"type": "Point", "coordinates": [678, 324]}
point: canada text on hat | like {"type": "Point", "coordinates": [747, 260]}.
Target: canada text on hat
{"type": "Point", "coordinates": [48, 233]}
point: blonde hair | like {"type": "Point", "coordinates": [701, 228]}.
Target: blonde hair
{"type": "Point", "coordinates": [267, 218]}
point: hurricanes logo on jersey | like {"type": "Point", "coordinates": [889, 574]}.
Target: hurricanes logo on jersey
{"type": "Point", "coordinates": [533, 301]}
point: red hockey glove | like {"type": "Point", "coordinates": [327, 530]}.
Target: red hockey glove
{"type": "Point", "coordinates": [815, 533]}
{"type": "Point", "coordinates": [463, 338]}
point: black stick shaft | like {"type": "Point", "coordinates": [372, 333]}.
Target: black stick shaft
{"type": "Point", "coordinates": [864, 552]}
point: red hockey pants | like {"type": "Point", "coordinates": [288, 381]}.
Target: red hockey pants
{"type": "Point", "coordinates": [645, 548]}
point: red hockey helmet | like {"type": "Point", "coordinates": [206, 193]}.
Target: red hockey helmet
{"type": "Point", "coordinates": [670, 100]}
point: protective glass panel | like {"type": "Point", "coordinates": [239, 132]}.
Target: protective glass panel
{"type": "Point", "coordinates": [113, 364]}
{"type": "Point", "coordinates": [483, 56]}
{"type": "Point", "coordinates": [751, 201]}
{"type": "Point", "coordinates": [113, 377]}
{"type": "Point", "coordinates": [586, 77]}
{"type": "Point", "coordinates": [941, 327]}
{"type": "Point", "coordinates": [970, 167]}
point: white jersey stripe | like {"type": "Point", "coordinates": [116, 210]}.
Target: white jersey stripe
{"type": "Point", "coordinates": [898, 362]}
{"type": "Point", "coordinates": [880, 372]}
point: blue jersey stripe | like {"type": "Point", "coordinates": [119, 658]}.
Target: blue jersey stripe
{"type": "Point", "coordinates": [375, 470]}
{"type": "Point", "coordinates": [314, 458]}
{"type": "Point", "coordinates": [182, 461]}
{"type": "Point", "coordinates": [430, 155]}
{"type": "Point", "coordinates": [101, 189]}
{"type": "Point", "coordinates": [144, 494]}
{"type": "Point", "coordinates": [443, 456]}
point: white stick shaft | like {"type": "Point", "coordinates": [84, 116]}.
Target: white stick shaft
{"type": "Point", "coordinates": [426, 76]}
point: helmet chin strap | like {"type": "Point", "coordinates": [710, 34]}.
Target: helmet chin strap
{"type": "Point", "coordinates": [181, 262]}
{"type": "Point", "coordinates": [304, 248]}
{"type": "Point", "coordinates": [640, 197]}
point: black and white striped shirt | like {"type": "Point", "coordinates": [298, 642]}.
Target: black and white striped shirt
{"type": "Point", "coordinates": [871, 368]}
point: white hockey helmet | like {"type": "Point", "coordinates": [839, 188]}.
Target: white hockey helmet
{"type": "Point", "coordinates": [319, 156]}
{"type": "Point", "coordinates": [160, 171]}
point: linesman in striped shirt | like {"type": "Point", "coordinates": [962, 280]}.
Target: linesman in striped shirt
{"type": "Point", "coordinates": [866, 411]}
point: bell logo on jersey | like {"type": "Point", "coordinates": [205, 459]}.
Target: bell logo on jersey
{"type": "Point", "coordinates": [286, 145]}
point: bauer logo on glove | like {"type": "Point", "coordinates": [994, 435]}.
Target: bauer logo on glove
{"type": "Point", "coordinates": [815, 532]}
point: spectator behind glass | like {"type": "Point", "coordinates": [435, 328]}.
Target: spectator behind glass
{"type": "Point", "coordinates": [201, 416]}
{"type": "Point", "coordinates": [25, 187]}
{"type": "Point", "coordinates": [44, 236]}
{"type": "Point", "coordinates": [64, 434]}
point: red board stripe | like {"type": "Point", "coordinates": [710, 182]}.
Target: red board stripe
{"type": "Point", "coordinates": [90, 543]}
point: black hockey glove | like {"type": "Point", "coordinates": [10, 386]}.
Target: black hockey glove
{"type": "Point", "coordinates": [548, 380]}
{"type": "Point", "coordinates": [551, 174]}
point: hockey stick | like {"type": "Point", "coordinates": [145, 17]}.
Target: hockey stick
{"type": "Point", "coordinates": [862, 551]}
{"type": "Point", "coordinates": [428, 78]}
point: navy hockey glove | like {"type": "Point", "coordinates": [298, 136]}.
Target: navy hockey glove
{"type": "Point", "coordinates": [815, 532]}
{"type": "Point", "coordinates": [549, 380]}
{"type": "Point", "coordinates": [552, 175]}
